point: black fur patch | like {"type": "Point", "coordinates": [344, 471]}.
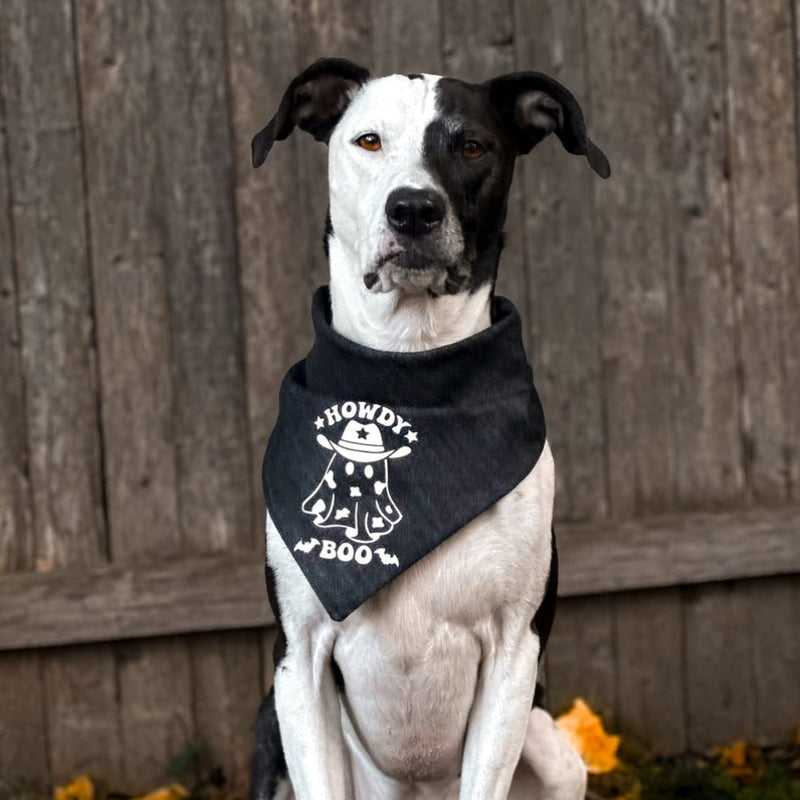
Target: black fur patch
{"type": "Point", "coordinates": [279, 651]}
{"type": "Point", "coordinates": [542, 622]}
{"type": "Point", "coordinates": [327, 234]}
{"type": "Point", "coordinates": [414, 76]}
{"type": "Point", "coordinates": [269, 762]}
{"type": "Point", "coordinates": [476, 188]}
{"type": "Point", "coordinates": [539, 696]}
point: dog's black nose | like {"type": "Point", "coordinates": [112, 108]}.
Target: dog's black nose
{"type": "Point", "coordinates": [414, 212]}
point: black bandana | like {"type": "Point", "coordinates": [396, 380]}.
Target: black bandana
{"type": "Point", "coordinates": [376, 457]}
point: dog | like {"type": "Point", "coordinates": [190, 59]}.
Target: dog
{"type": "Point", "coordinates": [425, 689]}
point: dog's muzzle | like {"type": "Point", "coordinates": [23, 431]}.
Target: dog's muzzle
{"type": "Point", "coordinates": [421, 251]}
{"type": "Point", "coordinates": [414, 212]}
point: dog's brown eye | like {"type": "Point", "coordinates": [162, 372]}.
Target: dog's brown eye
{"type": "Point", "coordinates": [472, 149]}
{"type": "Point", "coordinates": [369, 141]}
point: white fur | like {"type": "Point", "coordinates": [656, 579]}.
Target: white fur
{"type": "Point", "coordinates": [440, 666]}
{"type": "Point", "coordinates": [398, 314]}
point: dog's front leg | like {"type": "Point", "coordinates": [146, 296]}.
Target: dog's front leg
{"type": "Point", "coordinates": [307, 704]}
{"type": "Point", "coordinates": [306, 697]}
{"type": "Point", "coordinates": [499, 717]}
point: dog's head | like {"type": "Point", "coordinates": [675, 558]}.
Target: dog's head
{"type": "Point", "coordinates": [420, 166]}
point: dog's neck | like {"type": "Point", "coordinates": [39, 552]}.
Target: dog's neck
{"type": "Point", "coordinates": [399, 321]}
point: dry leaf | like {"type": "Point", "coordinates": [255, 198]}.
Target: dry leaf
{"type": "Point", "coordinates": [584, 730]}
{"type": "Point", "coordinates": [735, 755]}
{"type": "Point", "coordinates": [739, 760]}
{"type": "Point", "coordinates": [172, 792]}
{"type": "Point", "coordinates": [81, 788]}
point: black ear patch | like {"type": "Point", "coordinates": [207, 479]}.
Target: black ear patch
{"type": "Point", "coordinates": [533, 105]}
{"type": "Point", "coordinates": [314, 101]}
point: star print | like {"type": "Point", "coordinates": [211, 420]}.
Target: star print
{"type": "Point", "coordinates": [411, 436]}
{"type": "Point", "coordinates": [319, 422]}
{"type": "Point", "coordinates": [362, 434]}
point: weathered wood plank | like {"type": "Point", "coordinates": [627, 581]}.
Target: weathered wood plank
{"type": "Point", "coordinates": [215, 497]}
{"type": "Point", "coordinates": [772, 628]}
{"type": "Point", "coordinates": [227, 680]}
{"type": "Point", "coordinates": [274, 260]}
{"type": "Point", "coordinates": [155, 708]}
{"type": "Point", "coordinates": [719, 701]}
{"type": "Point", "coordinates": [193, 134]}
{"type": "Point", "coordinates": [407, 37]}
{"type": "Point", "coordinates": [226, 592]}
{"type": "Point", "coordinates": [627, 68]}
{"type": "Point", "coordinates": [649, 677]}
{"type": "Point", "coordinates": [760, 61]}
{"type": "Point", "coordinates": [23, 725]}
{"type": "Point", "coordinates": [95, 605]}
{"type": "Point", "coordinates": [23, 737]}
{"type": "Point", "coordinates": [709, 463]}
{"type": "Point", "coordinates": [793, 301]}
{"type": "Point", "coordinates": [681, 549]}
{"type": "Point", "coordinates": [128, 254]}
{"type": "Point", "coordinates": [579, 660]}
{"type": "Point", "coordinates": [55, 305]}
{"type": "Point", "coordinates": [81, 710]}
{"type": "Point", "coordinates": [563, 271]}
{"type": "Point", "coordinates": [478, 44]}
{"type": "Point", "coordinates": [16, 531]}
{"type": "Point", "coordinates": [59, 362]}
{"type": "Point", "coordinates": [124, 127]}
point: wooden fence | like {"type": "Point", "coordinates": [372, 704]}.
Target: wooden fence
{"type": "Point", "coordinates": [154, 288]}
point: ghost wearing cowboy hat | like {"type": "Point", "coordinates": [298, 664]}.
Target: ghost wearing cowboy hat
{"type": "Point", "coordinates": [354, 492]}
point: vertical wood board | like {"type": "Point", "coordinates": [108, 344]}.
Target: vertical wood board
{"type": "Point", "coordinates": [708, 465]}
{"type": "Point", "coordinates": [580, 656]}
{"type": "Point", "coordinates": [122, 119]}
{"type": "Point", "coordinates": [194, 145]}
{"type": "Point", "coordinates": [16, 534]}
{"type": "Point", "coordinates": [773, 626]}
{"type": "Point", "coordinates": [82, 713]}
{"type": "Point", "coordinates": [719, 677]}
{"type": "Point", "coordinates": [760, 67]}
{"type": "Point", "coordinates": [23, 742]}
{"type": "Point", "coordinates": [215, 499]}
{"type": "Point", "coordinates": [649, 669]}
{"type": "Point", "coordinates": [53, 284]}
{"type": "Point", "coordinates": [227, 680]}
{"type": "Point", "coordinates": [274, 259]}
{"type": "Point", "coordinates": [58, 357]}
{"type": "Point", "coordinates": [155, 709]}
{"type": "Point", "coordinates": [563, 271]}
{"type": "Point", "coordinates": [406, 37]}
{"type": "Point", "coordinates": [126, 194]}
{"type": "Point", "coordinates": [629, 80]}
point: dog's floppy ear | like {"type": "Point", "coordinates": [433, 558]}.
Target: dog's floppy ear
{"type": "Point", "coordinates": [534, 105]}
{"type": "Point", "coordinates": [314, 101]}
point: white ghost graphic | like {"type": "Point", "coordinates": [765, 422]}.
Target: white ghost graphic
{"type": "Point", "coordinates": [354, 491]}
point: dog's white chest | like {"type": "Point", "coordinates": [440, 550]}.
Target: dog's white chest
{"type": "Point", "coordinates": [410, 657]}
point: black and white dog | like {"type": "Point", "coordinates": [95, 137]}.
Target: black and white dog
{"type": "Point", "coordinates": [425, 688]}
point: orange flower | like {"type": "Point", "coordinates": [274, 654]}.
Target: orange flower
{"type": "Point", "coordinates": [173, 792]}
{"type": "Point", "coordinates": [81, 788]}
{"type": "Point", "coordinates": [584, 730]}
{"type": "Point", "coordinates": [739, 760]}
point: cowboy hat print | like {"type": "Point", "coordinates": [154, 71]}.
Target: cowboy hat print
{"type": "Point", "coordinates": [354, 491]}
